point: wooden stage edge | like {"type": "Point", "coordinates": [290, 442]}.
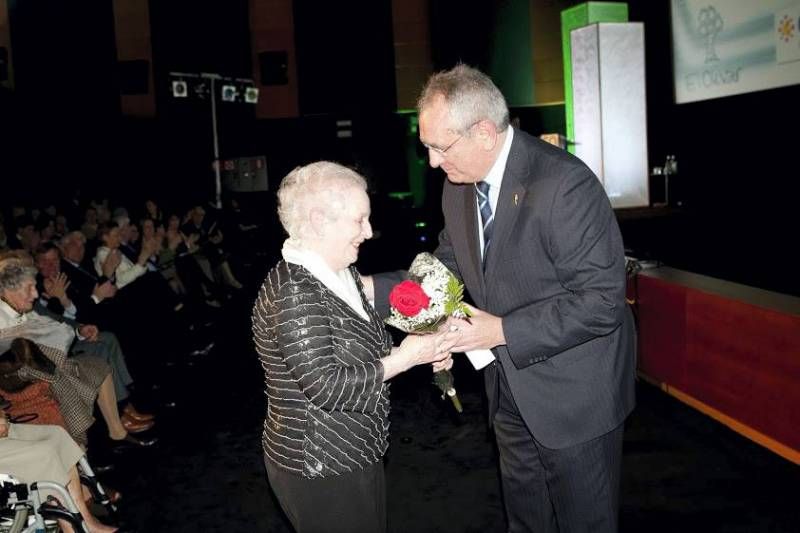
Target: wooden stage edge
{"type": "Point", "coordinates": [790, 454]}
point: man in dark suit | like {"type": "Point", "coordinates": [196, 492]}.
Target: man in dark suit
{"type": "Point", "coordinates": [530, 231]}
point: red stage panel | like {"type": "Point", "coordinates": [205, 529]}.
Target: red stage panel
{"type": "Point", "coordinates": [729, 350]}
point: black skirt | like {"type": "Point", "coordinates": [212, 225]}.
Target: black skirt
{"type": "Point", "coordinates": [354, 502]}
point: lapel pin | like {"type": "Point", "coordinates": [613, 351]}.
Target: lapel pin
{"type": "Point", "coordinates": [516, 198]}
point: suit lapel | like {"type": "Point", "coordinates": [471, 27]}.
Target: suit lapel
{"type": "Point", "coordinates": [510, 202]}
{"type": "Point", "coordinates": [471, 238]}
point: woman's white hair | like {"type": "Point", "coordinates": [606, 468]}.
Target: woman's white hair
{"type": "Point", "coordinates": [471, 96]}
{"type": "Point", "coordinates": [321, 185]}
{"type": "Point", "coordinates": [14, 272]}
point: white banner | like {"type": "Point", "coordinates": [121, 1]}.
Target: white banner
{"type": "Point", "coordinates": [726, 47]}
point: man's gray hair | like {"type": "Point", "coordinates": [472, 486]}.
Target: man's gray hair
{"type": "Point", "coordinates": [71, 237]}
{"type": "Point", "coordinates": [471, 96]}
{"type": "Point", "coordinates": [319, 185]}
{"type": "Point", "coordinates": [13, 272]}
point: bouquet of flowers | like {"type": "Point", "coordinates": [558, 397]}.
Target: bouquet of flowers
{"type": "Point", "coordinates": [423, 302]}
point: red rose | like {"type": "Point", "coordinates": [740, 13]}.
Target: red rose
{"type": "Point", "coordinates": [408, 298]}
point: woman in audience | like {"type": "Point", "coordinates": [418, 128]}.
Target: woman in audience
{"type": "Point", "coordinates": [45, 453]}
{"type": "Point", "coordinates": [153, 212]}
{"type": "Point", "coordinates": [326, 356]}
{"type": "Point", "coordinates": [110, 262]}
{"type": "Point", "coordinates": [89, 227]}
{"type": "Point", "coordinates": [76, 382]}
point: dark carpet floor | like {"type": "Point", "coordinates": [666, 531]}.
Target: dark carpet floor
{"type": "Point", "coordinates": [681, 471]}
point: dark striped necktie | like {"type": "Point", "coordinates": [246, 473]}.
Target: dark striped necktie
{"type": "Point", "coordinates": [487, 217]}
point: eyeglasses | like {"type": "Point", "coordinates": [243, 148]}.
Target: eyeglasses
{"type": "Point", "coordinates": [442, 151]}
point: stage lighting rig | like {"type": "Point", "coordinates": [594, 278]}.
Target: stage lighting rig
{"type": "Point", "coordinates": [251, 95]}
{"type": "Point", "coordinates": [230, 93]}
{"type": "Point", "coordinates": [179, 89]}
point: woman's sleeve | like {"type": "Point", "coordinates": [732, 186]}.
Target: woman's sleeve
{"type": "Point", "coordinates": [99, 258]}
{"type": "Point", "coordinates": [300, 325]}
{"type": "Point", "coordinates": [128, 272]}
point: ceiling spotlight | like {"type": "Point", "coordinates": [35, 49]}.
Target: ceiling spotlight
{"type": "Point", "coordinates": [229, 93]}
{"type": "Point", "coordinates": [179, 89]}
{"type": "Point", "coordinates": [251, 95]}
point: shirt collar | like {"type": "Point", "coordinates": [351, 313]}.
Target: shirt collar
{"type": "Point", "coordinates": [8, 314]}
{"type": "Point", "coordinates": [495, 176]}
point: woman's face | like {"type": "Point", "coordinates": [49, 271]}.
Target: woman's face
{"type": "Point", "coordinates": [342, 237]}
{"type": "Point", "coordinates": [148, 229]}
{"type": "Point", "coordinates": [174, 223]}
{"type": "Point", "coordinates": [22, 298]}
{"type": "Point", "coordinates": [111, 239]}
{"type": "Point", "coordinates": [151, 207]}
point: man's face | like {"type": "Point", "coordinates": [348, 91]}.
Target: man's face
{"type": "Point", "coordinates": [74, 250]}
{"type": "Point", "coordinates": [463, 161]}
{"type": "Point", "coordinates": [48, 264]}
{"type": "Point", "coordinates": [197, 216]}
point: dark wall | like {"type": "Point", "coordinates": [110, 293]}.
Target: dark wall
{"type": "Point", "coordinates": [60, 120]}
{"type": "Point", "coordinates": [737, 178]}
{"type": "Point", "coordinates": [345, 57]}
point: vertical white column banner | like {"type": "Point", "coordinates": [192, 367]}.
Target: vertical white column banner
{"type": "Point", "coordinates": [608, 84]}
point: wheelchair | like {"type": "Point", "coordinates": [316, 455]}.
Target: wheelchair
{"type": "Point", "coordinates": [24, 510]}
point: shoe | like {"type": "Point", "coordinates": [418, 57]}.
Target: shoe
{"type": "Point", "coordinates": [135, 426]}
{"type": "Point", "coordinates": [130, 442]}
{"type": "Point", "coordinates": [131, 412]}
{"type": "Point", "coordinates": [102, 468]}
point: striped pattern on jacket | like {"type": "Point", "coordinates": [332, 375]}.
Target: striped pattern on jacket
{"type": "Point", "coordinates": [327, 405]}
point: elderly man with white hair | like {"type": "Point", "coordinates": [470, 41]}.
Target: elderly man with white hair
{"type": "Point", "coordinates": [326, 356]}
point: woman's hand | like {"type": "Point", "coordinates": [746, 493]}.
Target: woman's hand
{"type": "Point", "coordinates": [113, 259]}
{"type": "Point", "coordinates": [420, 349]}
{"type": "Point", "coordinates": [430, 348]}
{"type": "Point", "coordinates": [444, 364]}
{"type": "Point", "coordinates": [3, 425]}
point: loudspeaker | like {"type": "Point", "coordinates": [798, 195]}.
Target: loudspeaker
{"type": "Point", "coordinates": [134, 76]}
{"type": "Point", "coordinates": [274, 67]}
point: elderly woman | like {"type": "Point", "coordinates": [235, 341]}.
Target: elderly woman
{"type": "Point", "coordinates": [76, 382]}
{"type": "Point", "coordinates": [327, 356]}
{"type": "Point", "coordinates": [45, 453]}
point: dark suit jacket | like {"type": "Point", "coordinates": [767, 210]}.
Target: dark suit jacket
{"type": "Point", "coordinates": [82, 282]}
{"type": "Point", "coordinates": [555, 273]}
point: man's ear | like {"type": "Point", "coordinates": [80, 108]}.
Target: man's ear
{"type": "Point", "coordinates": [486, 135]}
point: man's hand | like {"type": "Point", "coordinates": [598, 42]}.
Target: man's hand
{"type": "Point", "coordinates": [113, 259]}
{"type": "Point", "coordinates": [3, 425]}
{"type": "Point", "coordinates": [104, 290]}
{"type": "Point", "coordinates": [88, 332]}
{"type": "Point", "coordinates": [56, 287]}
{"type": "Point", "coordinates": [480, 331]}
